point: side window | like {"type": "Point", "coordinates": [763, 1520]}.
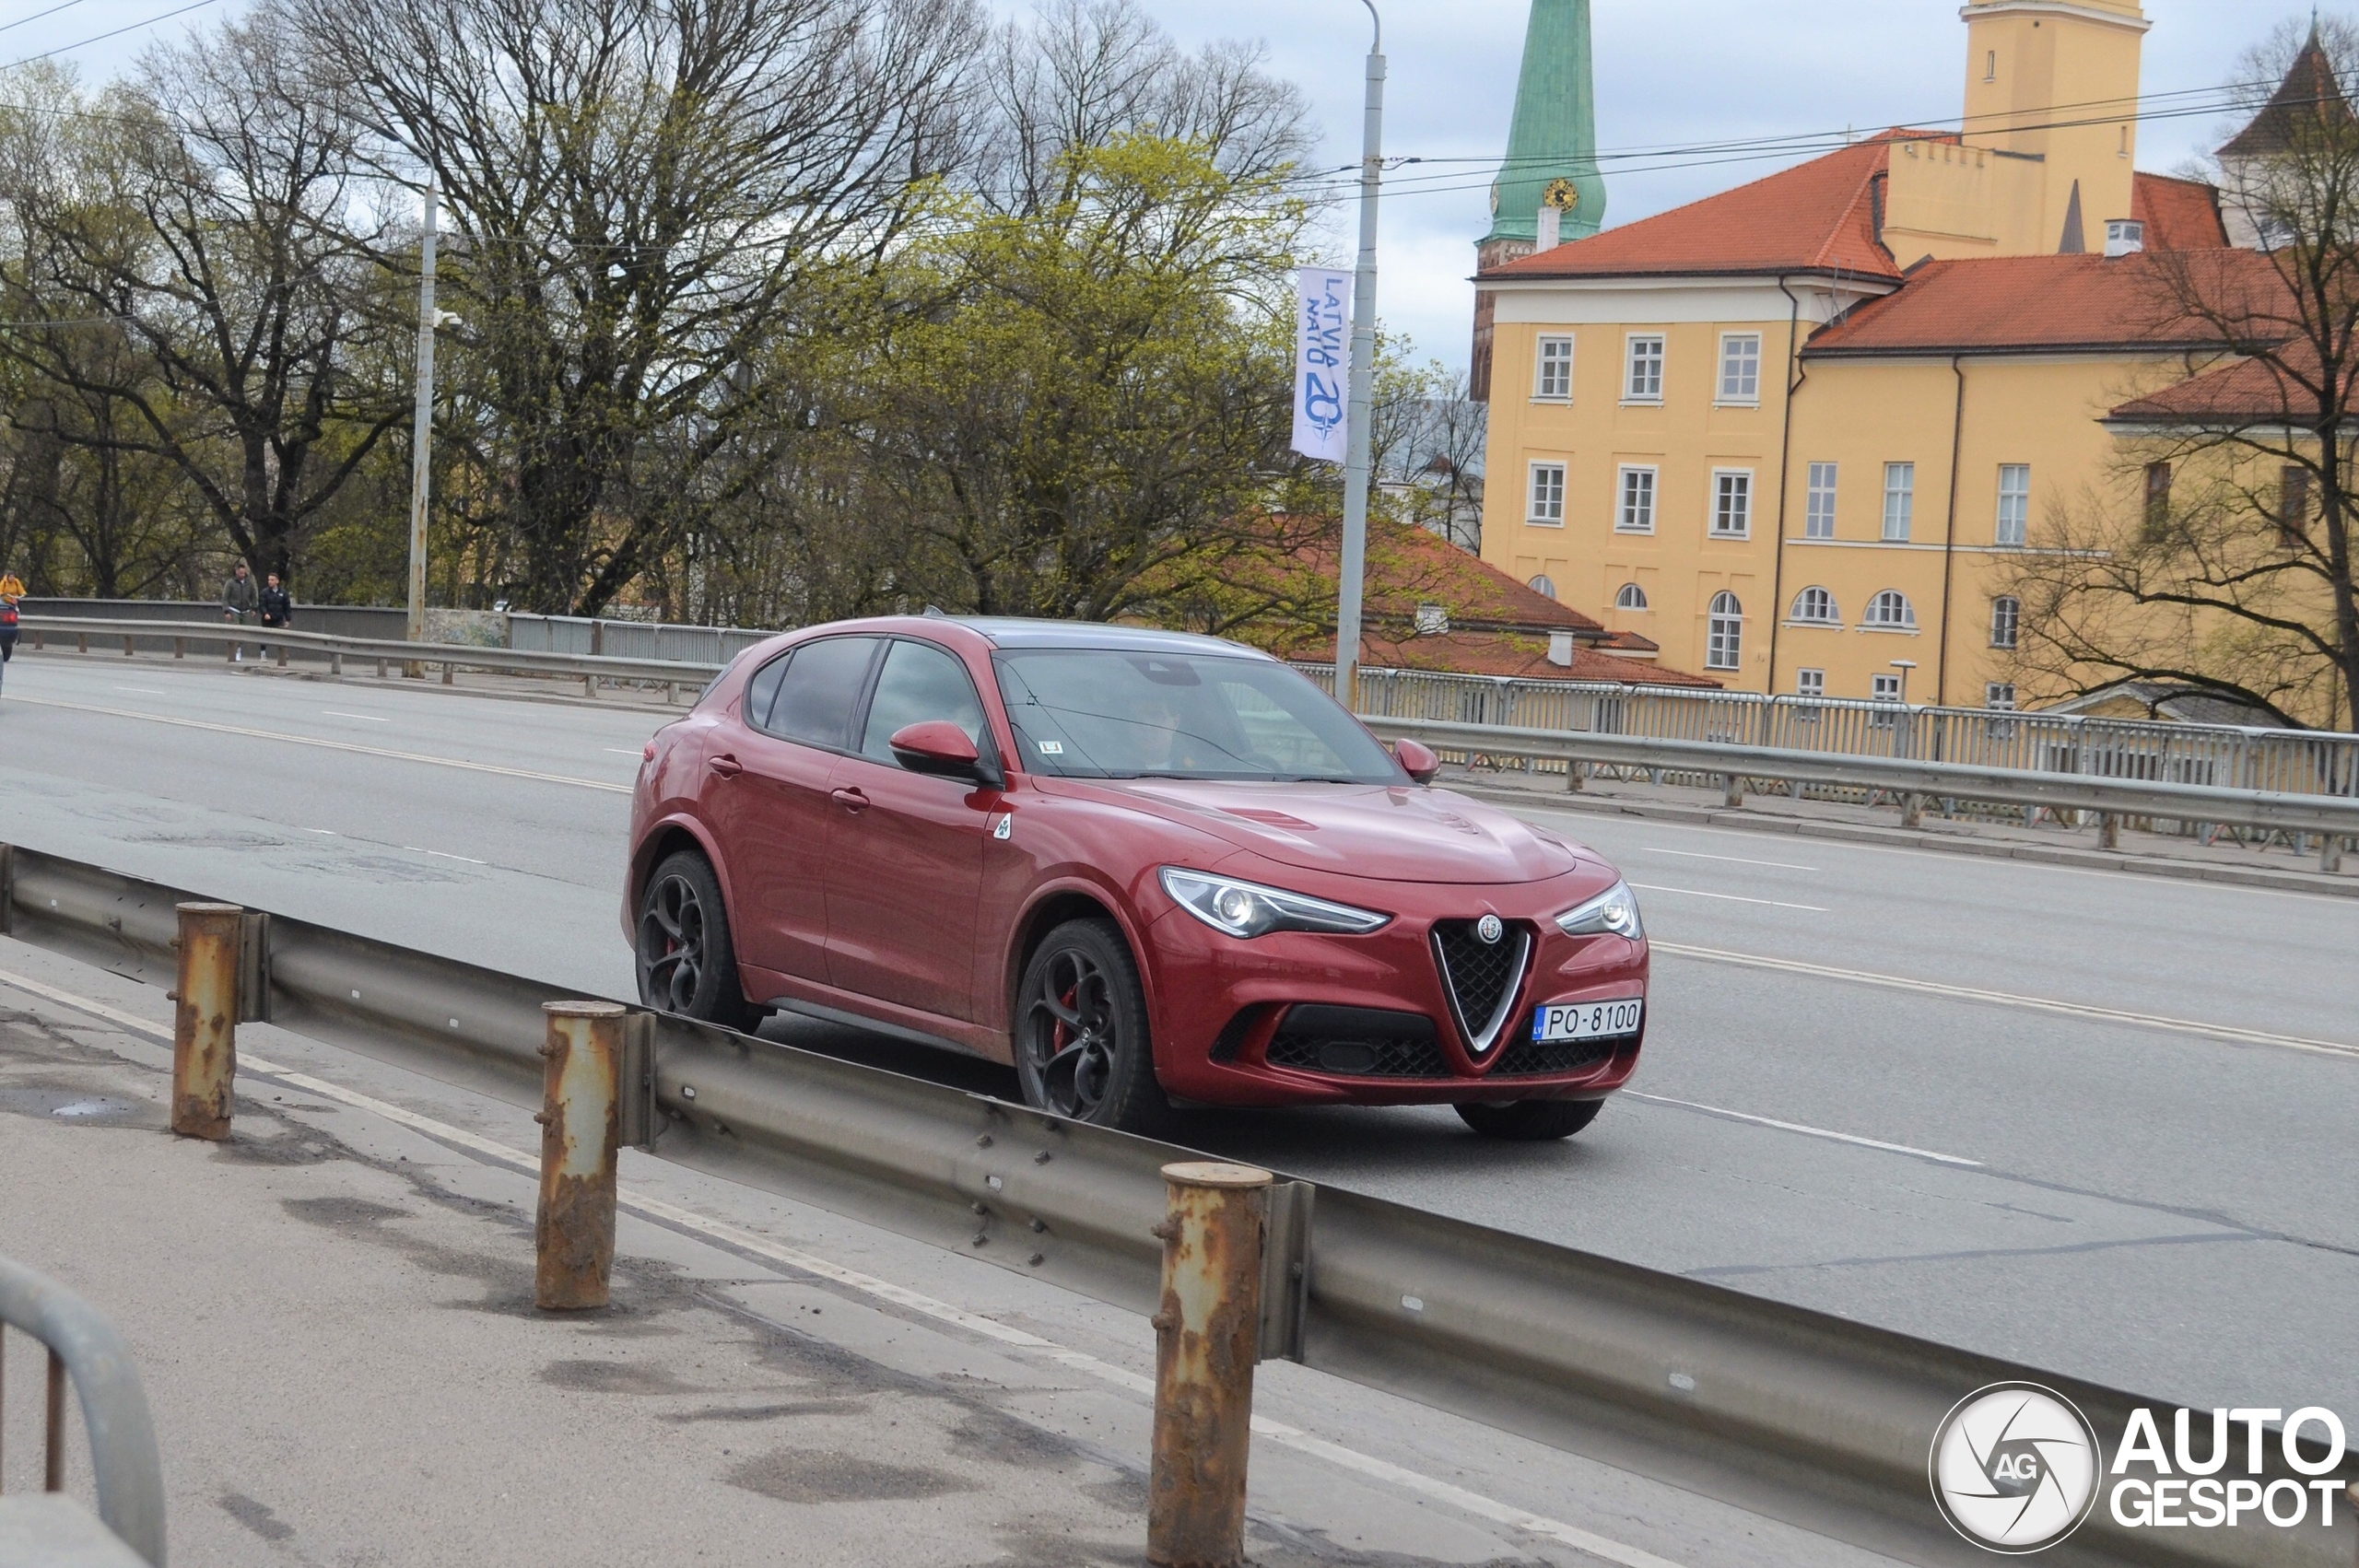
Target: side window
{"type": "Point", "coordinates": [821, 684]}
{"type": "Point", "coordinates": [762, 691]}
{"type": "Point", "coordinates": [920, 682]}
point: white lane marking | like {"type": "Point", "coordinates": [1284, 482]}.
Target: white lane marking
{"type": "Point", "coordinates": [444, 855]}
{"type": "Point", "coordinates": [651, 1208]}
{"type": "Point", "coordinates": [624, 751]}
{"type": "Point", "coordinates": [352, 746]}
{"type": "Point", "coordinates": [364, 717]}
{"type": "Point", "coordinates": [1807, 1130]}
{"type": "Point", "coordinates": [331, 832]}
{"type": "Point", "coordinates": [1732, 860]}
{"type": "Point", "coordinates": [1727, 898]}
{"type": "Point", "coordinates": [142, 691]}
{"type": "Point", "coordinates": [2010, 999]}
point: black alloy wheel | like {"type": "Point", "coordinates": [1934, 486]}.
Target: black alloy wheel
{"type": "Point", "coordinates": [1082, 1045]}
{"type": "Point", "coordinates": [687, 963]}
{"type": "Point", "coordinates": [1530, 1121]}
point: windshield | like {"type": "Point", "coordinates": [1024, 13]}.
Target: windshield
{"type": "Point", "coordinates": [1102, 713]}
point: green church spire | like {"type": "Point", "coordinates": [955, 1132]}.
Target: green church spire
{"type": "Point", "coordinates": [1554, 136]}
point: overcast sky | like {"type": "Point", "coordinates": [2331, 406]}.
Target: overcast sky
{"type": "Point", "coordinates": [1668, 73]}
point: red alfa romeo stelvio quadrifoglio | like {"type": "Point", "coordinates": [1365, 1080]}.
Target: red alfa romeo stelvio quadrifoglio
{"type": "Point", "coordinates": [1143, 868]}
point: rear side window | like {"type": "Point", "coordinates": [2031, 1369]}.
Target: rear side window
{"type": "Point", "coordinates": [762, 690]}
{"type": "Point", "coordinates": [920, 682]}
{"type": "Point", "coordinates": [817, 690]}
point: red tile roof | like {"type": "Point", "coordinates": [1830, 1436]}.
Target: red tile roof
{"type": "Point", "coordinates": [2240, 391]}
{"type": "Point", "coordinates": [2180, 214]}
{"type": "Point", "coordinates": [2046, 304]}
{"type": "Point", "coordinates": [1817, 217]}
{"type": "Point", "coordinates": [2309, 91]}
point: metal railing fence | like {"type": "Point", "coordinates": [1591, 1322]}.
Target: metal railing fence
{"type": "Point", "coordinates": [1800, 1415]}
{"type": "Point", "coordinates": [631, 640]}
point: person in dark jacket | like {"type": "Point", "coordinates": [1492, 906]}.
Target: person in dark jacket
{"type": "Point", "coordinates": [240, 598]}
{"type": "Point", "coordinates": [277, 605]}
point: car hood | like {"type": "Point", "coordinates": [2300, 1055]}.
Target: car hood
{"type": "Point", "coordinates": [1385, 833]}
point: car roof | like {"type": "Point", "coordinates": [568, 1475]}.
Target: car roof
{"type": "Point", "coordinates": [1010, 631]}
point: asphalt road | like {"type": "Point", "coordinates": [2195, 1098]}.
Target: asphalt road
{"type": "Point", "coordinates": [2159, 1207]}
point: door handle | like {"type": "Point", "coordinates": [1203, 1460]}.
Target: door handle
{"type": "Point", "coordinates": [850, 798]}
{"type": "Point", "coordinates": [724, 764]}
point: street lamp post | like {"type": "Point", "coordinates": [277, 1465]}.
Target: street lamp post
{"type": "Point", "coordinates": [1356, 455]}
{"type": "Point", "coordinates": [421, 472]}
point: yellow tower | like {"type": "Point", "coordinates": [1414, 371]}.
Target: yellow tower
{"type": "Point", "coordinates": [2057, 80]}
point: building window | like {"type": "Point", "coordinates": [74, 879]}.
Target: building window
{"type": "Point", "coordinates": [1890, 611]}
{"type": "Point", "coordinates": [1643, 384]}
{"type": "Point", "coordinates": [1818, 510]}
{"type": "Point", "coordinates": [1632, 597]}
{"type": "Point", "coordinates": [1724, 633]}
{"type": "Point", "coordinates": [1990, 65]}
{"type": "Point", "coordinates": [1810, 683]}
{"type": "Point", "coordinates": [1547, 495]}
{"type": "Point", "coordinates": [1999, 695]}
{"type": "Point", "coordinates": [1816, 606]}
{"type": "Point", "coordinates": [2293, 505]}
{"type": "Point", "coordinates": [1731, 503]}
{"type": "Point", "coordinates": [2006, 617]}
{"type": "Point", "coordinates": [1544, 585]}
{"type": "Point", "coordinates": [1741, 368]}
{"type": "Point", "coordinates": [2015, 502]}
{"type": "Point", "coordinates": [1554, 380]}
{"type": "Point", "coordinates": [2158, 498]}
{"type": "Point", "coordinates": [1884, 690]}
{"type": "Point", "coordinates": [1636, 512]}
{"type": "Point", "coordinates": [1899, 500]}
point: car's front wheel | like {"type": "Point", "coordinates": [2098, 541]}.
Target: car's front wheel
{"type": "Point", "coordinates": [1081, 1046]}
{"type": "Point", "coordinates": [688, 963]}
{"type": "Point", "coordinates": [1530, 1121]}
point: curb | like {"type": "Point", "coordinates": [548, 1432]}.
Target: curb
{"type": "Point", "coordinates": [2287, 881]}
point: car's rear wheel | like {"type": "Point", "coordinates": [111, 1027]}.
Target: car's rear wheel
{"type": "Point", "coordinates": [687, 963]}
{"type": "Point", "coordinates": [1081, 1046]}
{"type": "Point", "coordinates": [1530, 1121]}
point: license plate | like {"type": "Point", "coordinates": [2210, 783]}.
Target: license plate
{"type": "Point", "coordinates": [1559, 1021]}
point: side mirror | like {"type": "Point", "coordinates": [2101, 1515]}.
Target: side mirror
{"type": "Point", "coordinates": [938, 747]}
{"type": "Point", "coordinates": [1417, 760]}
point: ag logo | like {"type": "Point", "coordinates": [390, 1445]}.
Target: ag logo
{"type": "Point", "coordinates": [1490, 928]}
{"type": "Point", "coordinates": [2014, 1468]}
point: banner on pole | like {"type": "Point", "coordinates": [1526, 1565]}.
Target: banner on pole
{"type": "Point", "coordinates": [1322, 337]}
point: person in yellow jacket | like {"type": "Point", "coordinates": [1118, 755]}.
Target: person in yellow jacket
{"type": "Point", "coordinates": [12, 587]}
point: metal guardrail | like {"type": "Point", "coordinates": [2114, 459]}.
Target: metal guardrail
{"type": "Point", "coordinates": [1796, 1414]}
{"type": "Point", "coordinates": [2329, 815]}
{"type": "Point", "coordinates": [176, 636]}
{"type": "Point", "coordinates": [84, 1349]}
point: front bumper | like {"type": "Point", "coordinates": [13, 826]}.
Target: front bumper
{"type": "Point", "coordinates": [1297, 1018]}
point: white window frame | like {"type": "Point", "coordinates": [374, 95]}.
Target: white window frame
{"type": "Point", "coordinates": [1621, 477]}
{"type": "Point", "coordinates": [1899, 501]}
{"type": "Point", "coordinates": [1999, 696]}
{"type": "Point", "coordinates": [1818, 521]}
{"type": "Point", "coordinates": [1834, 617]}
{"type": "Point", "coordinates": [1811, 683]}
{"type": "Point", "coordinates": [1721, 476]}
{"type": "Point", "coordinates": [1544, 585]}
{"type": "Point", "coordinates": [1531, 492]}
{"type": "Point", "coordinates": [1871, 622]}
{"type": "Point", "coordinates": [1643, 607]}
{"type": "Point", "coordinates": [2007, 617]}
{"type": "Point", "coordinates": [1632, 360]}
{"type": "Point", "coordinates": [1724, 634]}
{"type": "Point", "coordinates": [1884, 688]}
{"type": "Point", "coordinates": [1543, 362]}
{"type": "Point", "coordinates": [1738, 395]}
{"type": "Point", "coordinates": [2014, 504]}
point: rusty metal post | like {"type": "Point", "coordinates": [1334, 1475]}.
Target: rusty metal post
{"type": "Point", "coordinates": [1734, 798]}
{"type": "Point", "coordinates": [1912, 811]}
{"type": "Point", "coordinates": [581, 1121]}
{"type": "Point", "coordinates": [1206, 1338]}
{"type": "Point", "coordinates": [205, 1024]}
{"type": "Point", "coordinates": [2108, 831]}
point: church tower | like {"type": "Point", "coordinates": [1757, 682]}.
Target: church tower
{"type": "Point", "coordinates": [1551, 159]}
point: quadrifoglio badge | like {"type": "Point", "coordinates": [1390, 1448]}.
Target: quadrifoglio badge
{"type": "Point", "coordinates": [2016, 1468]}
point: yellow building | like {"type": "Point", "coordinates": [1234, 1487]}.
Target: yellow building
{"type": "Point", "coordinates": [1790, 432]}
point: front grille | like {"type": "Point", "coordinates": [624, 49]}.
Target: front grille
{"type": "Point", "coordinates": [1527, 1058]}
{"type": "Point", "coordinates": [1357, 1042]}
{"type": "Point", "coordinates": [1481, 977]}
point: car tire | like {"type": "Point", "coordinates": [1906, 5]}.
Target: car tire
{"type": "Point", "coordinates": [1082, 1043]}
{"type": "Point", "coordinates": [688, 963]}
{"type": "Point", "coordinates": [1530, 1121]}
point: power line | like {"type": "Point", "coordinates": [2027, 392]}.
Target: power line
{"type": "Point", "coordinates": [37, 15]}
{"type": "Point", "coordinates": [112, 32]}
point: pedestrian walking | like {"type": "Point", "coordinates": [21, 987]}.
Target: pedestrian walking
{"type": "Point", "coordinates": [277, 607]}
{"type": "Point", "coordinates": [240, 600]}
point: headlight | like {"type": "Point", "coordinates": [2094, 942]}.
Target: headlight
{"type": "Point", "coordinates": [1246, 908]}
{"type": "Point", "coordinates": [1613, 911]}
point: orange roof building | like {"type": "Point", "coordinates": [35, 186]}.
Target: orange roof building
{"type": "Point", "coordinates": [1793, 433]}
